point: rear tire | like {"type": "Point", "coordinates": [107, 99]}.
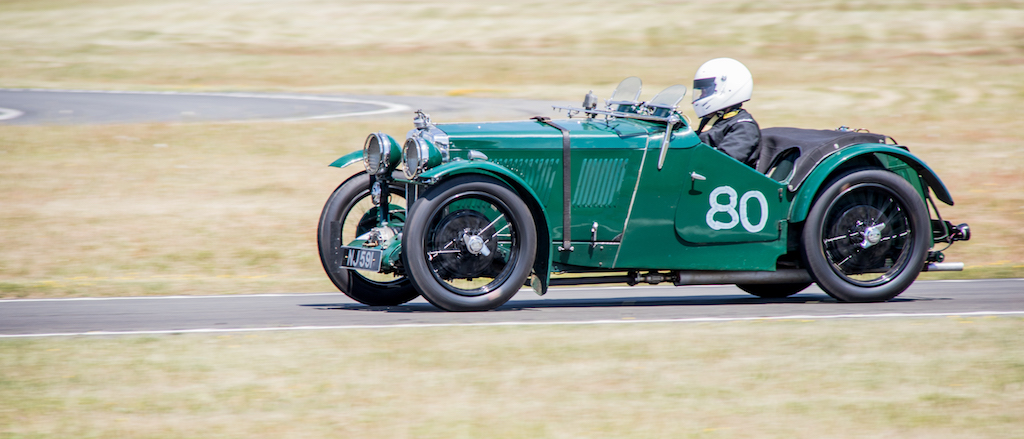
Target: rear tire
{"type": "Point", "coordinates": [866, 237]}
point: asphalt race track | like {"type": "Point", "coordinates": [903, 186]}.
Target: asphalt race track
{"type": "Point", "coordinates": [609, 305]}
{"type": "Point", "coordinates": [67, 107]}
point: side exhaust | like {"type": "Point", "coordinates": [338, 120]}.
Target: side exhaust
{"type": "Point", "coordinates": [710, 277]}
{"type": "Point", "coordinates": [787, 276]}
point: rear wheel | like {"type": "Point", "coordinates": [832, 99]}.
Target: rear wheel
{"type": "Point", "coordinates": [469, 244]}
{"type": "Point", "coordinates": [348, 213]}
{"type": "Point", "coordinates": [866, 237]}
{"type": "Point", "coordinates": [774, 291]}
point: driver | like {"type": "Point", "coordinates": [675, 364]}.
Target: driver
{"type": "Point", "coordinates": [720, 88]}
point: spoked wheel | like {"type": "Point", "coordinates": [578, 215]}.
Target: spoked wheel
{"type": "Point", "coordinates": [469, 244]}
{"type": "Point", "coordinates": [774, 291]}
{"type": "Point", "coordinates": [349, 213]}
{"type": "Point", "coordinates": [867, 237]}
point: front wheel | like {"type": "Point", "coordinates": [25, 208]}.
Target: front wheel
{"type": "Point", "coordinates": [866, 237]}
{"type": "Point", "coordinates": [348, 213]}
{"type": "Point", "coordinates": [469, 244]}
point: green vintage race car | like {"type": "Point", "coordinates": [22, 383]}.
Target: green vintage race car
{"type": "Point", "coordinates": [467, 214]}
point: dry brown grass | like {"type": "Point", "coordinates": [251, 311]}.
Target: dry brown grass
{"type": "Point", "coordinates": [232, 207]}
{"type": "Point", "coordinates": [529, 48]}
{"type": "Point", "coordinates": [926, 378]}
{"type": "Point", "coordinates": [164, 209]}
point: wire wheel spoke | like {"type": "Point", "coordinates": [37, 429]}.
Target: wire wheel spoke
{"type": "Point", "coordinates": [837, 238]}
{"type": "Point", "coordinates": [865, 235]}
{"type": "Point", "coordinates": [462, 250]}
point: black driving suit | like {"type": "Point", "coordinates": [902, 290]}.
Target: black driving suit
{"type": "Point", "coordinates": [736, 134]}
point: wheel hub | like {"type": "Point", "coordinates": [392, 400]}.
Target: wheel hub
{"type": "Point", "coordinates": [863, 248]}
{"type": "Point", "coordinates": [476, 245]}
{"type": "Point", "coordinates": [458, 249]}
{"type": "Point", "coordinates": [872, 235]}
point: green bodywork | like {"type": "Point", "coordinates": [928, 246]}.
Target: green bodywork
{"type": "Point", "coordinates": [699, 210]}
{"type": "Point", "coordinates": [348, 159]}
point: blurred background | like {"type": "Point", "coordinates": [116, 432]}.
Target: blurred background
{"type": "Point", "coordinates": [205, 207]}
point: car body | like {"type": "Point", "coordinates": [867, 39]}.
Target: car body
{"type": "Point", "coordinates": [628, 194]}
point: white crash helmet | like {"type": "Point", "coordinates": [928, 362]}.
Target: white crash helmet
{"type": "Point", "coordinates": [720, 84]}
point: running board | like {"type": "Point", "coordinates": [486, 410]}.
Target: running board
{"type": "Point", "coordinates": [703, 277]}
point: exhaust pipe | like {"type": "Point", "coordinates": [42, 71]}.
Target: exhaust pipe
{"type": "Point", "coordinates": [704, 277]}
{"type": "Point", "coordinates": [710, 277]}
{"type": "Point", "coordinates": [944, 266]}
{"type": "Point", "coordinates": [787, 276]}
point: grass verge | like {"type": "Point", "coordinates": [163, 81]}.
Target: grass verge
{"type": "Point", "coordinates": [934, 378]}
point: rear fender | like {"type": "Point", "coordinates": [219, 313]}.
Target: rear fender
{"type": "Point", "coordinates": [835, 163]}
{"type": "Point", "coordinates": [542, 263]}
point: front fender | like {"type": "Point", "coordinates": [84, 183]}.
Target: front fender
{"type": "Point", "coordinates": [348, 159]}
{"type": "Point", "coordinates": [821, 173]}
{"type": "Point", "coordinates": [487, 168]}
{"type": "Point", "coordinates": [542, 264]}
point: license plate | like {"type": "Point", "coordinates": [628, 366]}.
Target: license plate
{"type": "Point", "coordinates": [360, 258]}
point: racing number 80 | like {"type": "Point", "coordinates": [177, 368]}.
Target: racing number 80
{"type": "Point", "coordinates": [729, 208]}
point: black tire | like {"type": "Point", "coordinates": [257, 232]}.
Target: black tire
{"type": "Point", "coordinates": [866, 237]}
{"type": "Point", "coordinates": [351, 207]}
{"type": "Point", "coordinates": [774, 291]}
{"type": "Point", "coordinates": [447, 222]}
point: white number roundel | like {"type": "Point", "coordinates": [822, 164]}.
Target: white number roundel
{"type": "Point", "coordinates": [729, 208]}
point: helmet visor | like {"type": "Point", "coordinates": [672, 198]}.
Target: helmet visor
{"type": "Point", "coordinates": [703, 88]}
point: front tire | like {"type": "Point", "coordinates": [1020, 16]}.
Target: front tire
{"type": "Point", "coordinates": [469, 244]}
{"type": "Point", "coordinates": [350, 212]}
{"type": "Point", "coordinates": [866, 237]}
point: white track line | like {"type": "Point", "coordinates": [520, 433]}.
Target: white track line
{"type": "Point", "coordinates": [556, 323]}
{"type": "Point", "coordinates": [232, 296]}
{"type": "Point", "coordinates": [9, 113]}
{"type": "Point", "coordinates": [227, 296]}
{"type": "Point", "coordinates": [389, 107]}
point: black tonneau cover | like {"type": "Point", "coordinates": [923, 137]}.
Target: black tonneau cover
{"type": "Point", "coordinates": [813, 145]}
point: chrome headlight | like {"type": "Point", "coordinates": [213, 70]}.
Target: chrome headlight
{"type": "Point", "coordinates": [426, 146]}
{"type": "Point", "coordinates": [380, 153]}
{"type": "Point", "coordinates": [419, 155]}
